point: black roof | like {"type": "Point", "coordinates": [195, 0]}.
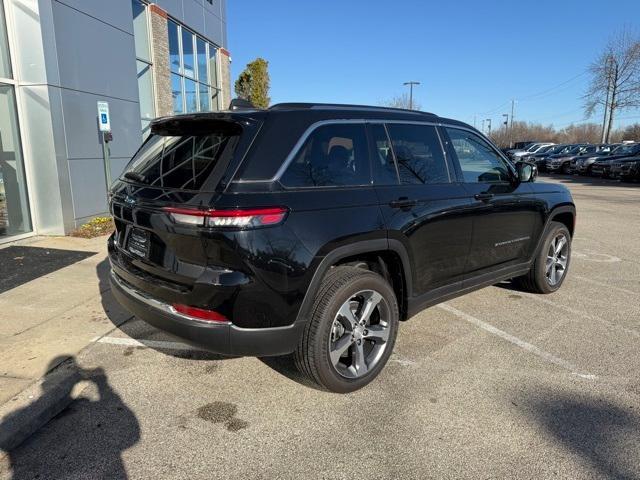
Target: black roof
{"type": "Point", "coordinates": [315, 112]}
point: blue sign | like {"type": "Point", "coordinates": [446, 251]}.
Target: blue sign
{"type": "Point", "coordinates": [103, 118]}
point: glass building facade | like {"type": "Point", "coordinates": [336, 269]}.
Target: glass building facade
{"type": "Point", "coordinates": [14, 205]}
{"type": "Point", "coordinates": [58, 60]}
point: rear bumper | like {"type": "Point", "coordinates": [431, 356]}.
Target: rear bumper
{"type": "Point", "coordinates": [223, 338]}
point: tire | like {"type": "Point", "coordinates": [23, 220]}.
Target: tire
{"type": "Point", "coordinates": [538, 279]}
{"type": "Point", "coordinates": [347, 289]}
{"type": "Point", "coordinates": [566, 168]}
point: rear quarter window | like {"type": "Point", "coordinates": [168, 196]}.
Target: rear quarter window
{"type": "Point", "coordinates": [332, 155]}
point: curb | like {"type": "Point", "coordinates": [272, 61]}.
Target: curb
{"type": "Point", "coordinates": [36, 405]}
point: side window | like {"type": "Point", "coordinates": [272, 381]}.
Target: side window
{"type": "Point", "coordinates": [418, 154]}
{"type": "Point", "coordinates": [479, 162]}
{"type": "Point", "coordinates": [333, 155]}
{"type": "Point", "coordinates": [384, 168]}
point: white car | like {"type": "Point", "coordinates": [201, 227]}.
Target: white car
{"type": "Point", "coordinates": [535, 148]}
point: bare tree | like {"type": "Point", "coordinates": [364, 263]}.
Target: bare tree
{"type": "Point", "coordinates": [615, 79]}
{"type": "Point", "coordinates": [401, 101]}
{"type": "Point", "coordinates": [524, 131]}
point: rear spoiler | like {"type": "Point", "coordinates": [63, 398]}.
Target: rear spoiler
{"type": "Point", "coordinates": [198, 124]}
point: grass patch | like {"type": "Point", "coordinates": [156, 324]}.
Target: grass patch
{"type": "Point", "coordinates": [95, 228]}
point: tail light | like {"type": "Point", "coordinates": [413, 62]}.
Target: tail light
{"type": "Point", "coordinates": [200, 313]}
{"type": "Point", "coordinates": [235, 218]}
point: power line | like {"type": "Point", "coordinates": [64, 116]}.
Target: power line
{"type": "Point", "coordinates": [544, 92]}
{"type": "Point", "coordinates": [537, 95]}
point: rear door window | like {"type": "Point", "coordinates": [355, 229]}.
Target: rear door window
{"type": "Point", "coordinates": [183, 162]}
{"type": "Point", "coordinates": [332, 155]}
{"type": "Point", "coordinates": [418, 154]}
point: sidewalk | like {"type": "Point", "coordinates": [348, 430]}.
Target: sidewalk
{"type": "Point", "coordinates": [45, 322]}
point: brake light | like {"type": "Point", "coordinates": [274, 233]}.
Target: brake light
{"type": "Point", "coordinates": [200, 313]}
{"type": "Point", "coordinates": [233, 218]}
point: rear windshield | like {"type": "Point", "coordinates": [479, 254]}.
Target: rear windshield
{"type": "Point", "coordinates": [184, 162]}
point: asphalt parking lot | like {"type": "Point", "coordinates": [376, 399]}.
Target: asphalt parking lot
{"type": "Point", "coordinates": [496, 384]}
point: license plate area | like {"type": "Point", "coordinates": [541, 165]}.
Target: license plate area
{"type": "Point", "coordinates": [138, 242]}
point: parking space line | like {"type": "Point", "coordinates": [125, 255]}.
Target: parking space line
{"type": "Point", "coordinates": [581, 313]}
{"type": "Point", "coordinates": [603, 284]}
{"type": "Point", "coordinates": [132, 342]}
{"type": "Point", "coordinates": [516, 341]}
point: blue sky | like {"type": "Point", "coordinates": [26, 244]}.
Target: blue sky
{"type": "Point", "coordinates": [471, 57]}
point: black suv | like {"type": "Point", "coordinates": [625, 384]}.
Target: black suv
{"type": "Point", "coordinates": [314, 229]}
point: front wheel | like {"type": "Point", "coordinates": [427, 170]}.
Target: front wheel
{"type": "Point", "coordinates": [352, 330]}
{"type": "Point", "coordinates": [566, 168]}
{"type": "Point", "coordinates": [551, 264]}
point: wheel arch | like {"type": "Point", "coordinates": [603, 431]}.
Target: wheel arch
{"type": "Point", "coordinates": [389, 258]}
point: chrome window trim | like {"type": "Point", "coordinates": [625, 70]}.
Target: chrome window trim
{"type": "Point", "coordinates": [303, 138]}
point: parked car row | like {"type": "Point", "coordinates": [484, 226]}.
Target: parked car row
{"type": "Point", "coordinates": [617, 160]}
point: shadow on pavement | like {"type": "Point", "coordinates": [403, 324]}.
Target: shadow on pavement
{"type": "Point", "coordinates": [605, 435]}
{"type": "Point", "coordinates": [86, 439]}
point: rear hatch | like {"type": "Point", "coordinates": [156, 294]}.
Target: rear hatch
{"type": "Point", "coordinates": [185, 163]}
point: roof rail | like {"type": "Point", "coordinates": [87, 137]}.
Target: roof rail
{"type": "Point", "coordinates": [341, 106]}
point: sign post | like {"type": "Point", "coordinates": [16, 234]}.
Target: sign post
{"type": "Point", "coordinates": [104, 126]}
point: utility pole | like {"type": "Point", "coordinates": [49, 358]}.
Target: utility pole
{"type": "Point", "coordinates": [506, 122]}
{"type": "Point", "coordinates": [474, 121]}
{"type": "Point", "coordinates": [513, 107]}
{"type": "Point", "coordinates": [488, 127]}
{"type": "Point", "coordinates": [411, 84]}
{"type": "Point", "coordinates": [482, 129]}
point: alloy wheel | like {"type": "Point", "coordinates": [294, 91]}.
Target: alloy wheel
{"type": "Point", "coordinates": [557, 259]}
{"type": "Point", "coordinates": [359, 334]}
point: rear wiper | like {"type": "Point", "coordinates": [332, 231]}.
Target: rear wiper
{"type": "Point", "coordinates": [136, 177]}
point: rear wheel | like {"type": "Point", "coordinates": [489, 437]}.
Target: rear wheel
{"type": "Point", "coordinates": [551, 264]}
{"type": "Point", "coordinates": [351, 332]}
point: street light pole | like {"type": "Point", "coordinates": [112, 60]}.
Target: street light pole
{"type": "Point", "coordinates": [411, 84]}
{"type": "Point", "coordinates": [489, 127]}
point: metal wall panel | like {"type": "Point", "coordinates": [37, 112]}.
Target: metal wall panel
{"type": "Point", "coordinates": [89, 187]}
{"type": "Point", "coordinates": [114, 12]}
{"type": "Point", "coordinates": [81, 125]}
{"type": "Point", "coordinates": [193, 15]}
{"type": "Point", "coordinates": [94, 56]}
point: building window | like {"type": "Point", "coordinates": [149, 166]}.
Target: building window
{"type": "Point", "coordinates": [193, 71]}
{"type": "Point", "coordinates": [14, 203]}
{"type": "Point", "coordinates": [144, 64]}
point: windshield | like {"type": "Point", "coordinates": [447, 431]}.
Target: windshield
{"type": "Point", "coordinates": [575, 149]}
{"type": "Point", "coordinates": [179, 162]}
{"type": "Point", "coordinates": [627, 149]}
{"type": "Point", "coordinates": [533, 147]}
{"type": "Point", "coordinates": [556, 149]}
{"type": "Point", "coordinates": [545, 149]}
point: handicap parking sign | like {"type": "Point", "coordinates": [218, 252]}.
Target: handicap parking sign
{"type": "Point", "coordinates": [103, 116]}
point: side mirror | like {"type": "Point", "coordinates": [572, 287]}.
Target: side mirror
{"type": "Point", "coordinates": [527, 172]}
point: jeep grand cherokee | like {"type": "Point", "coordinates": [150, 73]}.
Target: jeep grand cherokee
{"type": "Point", "coordinates": [315, 229]}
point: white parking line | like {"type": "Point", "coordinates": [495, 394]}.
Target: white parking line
{"type": "Point", "coordinates": [132, 342]}
{"type": "Point", "coordinates": [581, 313]}
{"type": "Point", "coordinates": [516, 341]}
{"type": "Point", "coordinates": [603, 284]}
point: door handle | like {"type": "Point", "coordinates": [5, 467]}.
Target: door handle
{"type": "Point", "coordinates": [403, 202]}
{"type": "Point", "coordinates": [483, 197]}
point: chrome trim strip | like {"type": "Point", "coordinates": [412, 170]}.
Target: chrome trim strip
{"type": "Point", "coordinates": [296, 148]}
{"type": "Point", "coordinates": [303, 138]}
{"type": "Point", "coordinates": [157, 304]}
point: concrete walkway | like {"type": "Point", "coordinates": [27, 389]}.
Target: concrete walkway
{"type": "Point", "coordinates": [44, 323]}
